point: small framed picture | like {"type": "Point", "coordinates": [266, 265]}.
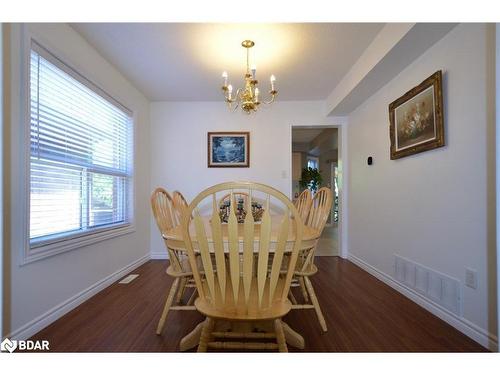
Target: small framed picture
{"type": "Point", "coordinates": [416, 119]}
{"type": "Point", "coordinates": [228, 149]}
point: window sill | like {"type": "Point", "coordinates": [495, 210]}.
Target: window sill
{"type": "Point", "coordinates": [41, 252]}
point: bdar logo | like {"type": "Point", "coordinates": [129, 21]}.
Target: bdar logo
{"type": "Point", "coordinates": [24, 345]}
{"type": "Point", "coordinates": [8, 345]}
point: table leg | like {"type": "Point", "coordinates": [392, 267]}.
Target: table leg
{"type": "Point", "coordinates": [292, 337]}
{"type": "Point", "coordinates": [192, 339]}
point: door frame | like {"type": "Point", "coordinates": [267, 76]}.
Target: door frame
{"type": "Point", "coordinates": [332, 187]}
{"type": "Point", "coordinates": [496, 93]}
{"type": "Point", "coordinates": [342, 163]}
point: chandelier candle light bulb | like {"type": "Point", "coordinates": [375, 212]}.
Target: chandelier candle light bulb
{"type": "Point", "coordinates": [247, 97]}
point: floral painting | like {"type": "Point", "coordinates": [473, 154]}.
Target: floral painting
{"type": "Point", "coordinates": [417, 119]}
{"type": "Point", "coordinates": [230, 149]}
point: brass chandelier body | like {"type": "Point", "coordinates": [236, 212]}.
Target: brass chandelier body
{"type": "Point", "coordinates": [247, 97]}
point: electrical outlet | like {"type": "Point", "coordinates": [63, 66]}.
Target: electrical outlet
{"type": "Point", "coordinates": [471, 278]}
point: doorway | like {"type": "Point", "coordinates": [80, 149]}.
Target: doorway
{"type": "Point", "coordinates": [317, 148]}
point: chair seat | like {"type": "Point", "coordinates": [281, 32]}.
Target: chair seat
{"type": "Point", "coordinates": [311, 270]}
{"type": "Point", "coordinates": [186, 269]}
{"type": "Point", "coordinates": [237, 310]}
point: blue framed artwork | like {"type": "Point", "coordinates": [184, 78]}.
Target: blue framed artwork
{"type": "Point", "coordinates": [228, 149]}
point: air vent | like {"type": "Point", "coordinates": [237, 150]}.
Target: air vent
{"type": "Point", "coordinates": [440, 288]}
{"type": "Point", "coordinates": [128, 279]}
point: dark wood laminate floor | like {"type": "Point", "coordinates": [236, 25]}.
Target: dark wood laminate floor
{"type": "Point", "coordinates": [363, 315]}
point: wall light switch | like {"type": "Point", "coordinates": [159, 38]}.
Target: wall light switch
{"type": "Point", "coordinates": [471, 278]}
{"type": "Point", "coordinates": [283, 174]}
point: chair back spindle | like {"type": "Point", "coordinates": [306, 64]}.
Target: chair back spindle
{"type": "Point", "coordinates": [180, 204]}
{"type": "Point", "coordinates": [320, 209]}
{"type": "Point", "coordinates": [303, 204]}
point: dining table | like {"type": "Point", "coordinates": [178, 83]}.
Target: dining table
{"type": "Point", "coordinates": [174, 240]}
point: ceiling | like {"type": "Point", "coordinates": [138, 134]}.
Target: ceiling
{"type": "Point", "coordinates": [305, 135]}
{"type": "Point", "coordinates": [184, 62]}
{"type": "Point", "coordinates": [315, 141]}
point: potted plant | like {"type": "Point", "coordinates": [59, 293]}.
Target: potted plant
{"type": "Point", "coordinates": [310, 179]}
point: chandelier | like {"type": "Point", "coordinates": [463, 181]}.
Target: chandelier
{"type": "Point", "coordinates": [248, 97]}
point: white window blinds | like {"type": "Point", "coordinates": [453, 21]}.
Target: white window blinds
{"type": "Point", "coordinates": [81, 154]}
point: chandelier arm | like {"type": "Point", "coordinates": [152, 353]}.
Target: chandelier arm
{"type": "Point", "coordinates": [270, 101]}
{"type": "Point", "coordinates": [236, 100]}
{"type": "Point", "coordinates": [238, 94]}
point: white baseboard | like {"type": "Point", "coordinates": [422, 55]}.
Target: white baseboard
{"type": "Point", "coordinates": [465, 326]}
{"type": "Point", "coordinates": [37, 324]}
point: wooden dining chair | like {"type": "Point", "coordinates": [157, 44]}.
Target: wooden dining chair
{"type": "Point", "coordinates": [166, 218]}
{"type": "Point", "coordinates": [236, 288]}
{"type": "Point", "coordinates": [303, 204]}
{"type": "Point", "coordinates": [318, 215]}
{"type": "Point", "coordinates": [180, 203]}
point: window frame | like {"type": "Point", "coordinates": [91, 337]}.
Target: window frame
{"type": "Point", "coordinates": [69, 241]}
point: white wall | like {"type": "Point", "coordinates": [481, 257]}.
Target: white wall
{"type": "Point", "coordinates": [179, 145]}
{"type": "Point", "coordinates": [435, 207]}
{"type": "Point", "coordinates": [1, 180]}
{"type": "Point", "coordinates": [41, 289]}
{"type": "Point", "coordinates": [497, 106]}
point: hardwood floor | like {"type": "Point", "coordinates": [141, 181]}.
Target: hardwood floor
{"type": "Point", "coordinates": [328, 244]}
{"type": "Point", "coordinates": [362, 313]}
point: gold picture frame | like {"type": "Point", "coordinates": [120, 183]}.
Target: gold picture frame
{"type": "Point", "coordinates": [416, 119]}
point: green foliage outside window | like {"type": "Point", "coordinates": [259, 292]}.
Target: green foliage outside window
{"type": "Point", "coordinates": [102, 191]}
{"type": "Point", "coordinates": [310, 179]}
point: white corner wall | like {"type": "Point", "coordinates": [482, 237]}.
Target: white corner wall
{"type": "Point", "coordinates": [497, 129]}
{"type": "Point", "coordinates": [1, 181]}
{"type": "Point", "coordinates": [179, 145]}
{"type": "Point", "coordinates": [434, 207]}
{"type": "Point", "coordinates": [40, 292]}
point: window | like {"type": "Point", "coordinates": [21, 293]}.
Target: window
{"type": "Point", "coordinates": [80, 155]}
{"type": "Point", "coordinates": [312, 162]}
